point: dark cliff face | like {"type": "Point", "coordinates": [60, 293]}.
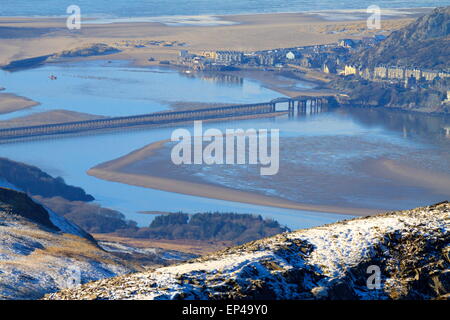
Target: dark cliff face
{"type": "Point", "coordinates": [19, 204]}
{"type": "Point", "coordinates": [431, 26]}
{"type": "Point", "coordinates": [424, 43]}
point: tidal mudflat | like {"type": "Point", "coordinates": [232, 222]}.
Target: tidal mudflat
{"type": "Point", "coordinates": [320, 180]}
{"type": "Point", "coordinates": [317, 170]}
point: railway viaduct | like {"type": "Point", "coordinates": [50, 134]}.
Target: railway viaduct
{"type": "Point", "coordinates": [161, 118]}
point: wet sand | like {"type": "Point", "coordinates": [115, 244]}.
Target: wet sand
{"type": "Point", "coordinates": [48, 117]}
{"type": "Point", "coordinates": [437, 182]}
{"type": "Point", "coordinates": [287, 83]}
{"type": "Point", "coordinates": [10, 103]}
{"type": "Point", "coordinates": [114, 171]}
{"type": "Point", "coordinates": [143, 168]}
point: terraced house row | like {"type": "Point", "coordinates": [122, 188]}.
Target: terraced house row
{"type": "Point", "coordinates": [395, 73]}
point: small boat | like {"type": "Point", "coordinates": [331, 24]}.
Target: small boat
{"type": "Point", "coordinates": [52, 77]}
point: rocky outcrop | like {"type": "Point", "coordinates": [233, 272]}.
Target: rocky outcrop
{"type": "Point", "coordinates": [406, 71]}
{"type": "Point", "coordinates": [423, 44]}
{"type": "Point", "coordinates": [397, 255]}
{"type": "Point", "coordinates": [41, 252]}
{"type": "Point", "coordinates": [19, 204]}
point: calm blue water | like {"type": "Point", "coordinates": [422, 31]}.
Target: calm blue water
{"type": "Point", "coordinates": [86, 87]}
{"type": "Point", "coordinates": [114, 89]}
{"type": "Point", "coordinates": [322, 141]}
{"type": "Point", "coordinates": [72, 157]}
{"type": "Point", "coordinates": [152, 8]}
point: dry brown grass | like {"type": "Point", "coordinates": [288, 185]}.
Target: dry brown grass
{"type": "Point", "coordinates": [186, 246]}
{"type": "Point", "coordinates": [57, 246]}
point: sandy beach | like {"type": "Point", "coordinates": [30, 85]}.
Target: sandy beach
{"type": "Point", "coordinates": [10, 103]}
{"type": "Point", "coordinates": [438, 182]}
{"type": "Point", "coordinates": [137, 168]}
{"type": "Point", "coordinates": [250, 32]}
{"type": "Point", "coordinates": [47, 117]}
{"type": "Point", "coordinates": [114, 171]}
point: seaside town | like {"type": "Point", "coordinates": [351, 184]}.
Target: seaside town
{"type": "Point", "coordinates": [328, 58]}
{"type": "Point", "coordinates": [333, 60]}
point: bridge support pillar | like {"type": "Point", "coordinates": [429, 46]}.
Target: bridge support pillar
{"type": "Point", "coordinates": [291, 105]}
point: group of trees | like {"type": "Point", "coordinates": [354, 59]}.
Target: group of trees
{"type": "Point", "coordinates": [237, 228]}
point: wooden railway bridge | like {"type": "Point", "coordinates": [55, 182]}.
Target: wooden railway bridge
{"type": "Point", "coordinates": [160, 118]}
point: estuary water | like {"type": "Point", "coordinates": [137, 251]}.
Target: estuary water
{"type": "Point", "coordinates": [332, 148]}
{"type": "Point", "coordinates": [113, 88]}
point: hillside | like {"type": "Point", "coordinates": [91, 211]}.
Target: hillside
{"type": "Point", "coordinates": [414, 58]}
{"type": "Point", "coordinates": [34, 181]}
{"type": "Point", "coordinates": [381, 94]}
{"type": "Point", "coordinates": [41, 252]}
{"type": "Point", "coordinates": [411, 249]}
{"type": "Point", "coordinates": [425, 44]}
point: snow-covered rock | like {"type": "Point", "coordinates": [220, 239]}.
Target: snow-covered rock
{"type": "Point", "coordinates": [390, 256]}
{"type": "Point", "coordinates": [60, 222]}
{"type": "Point", "coordinates": [41, 252]}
